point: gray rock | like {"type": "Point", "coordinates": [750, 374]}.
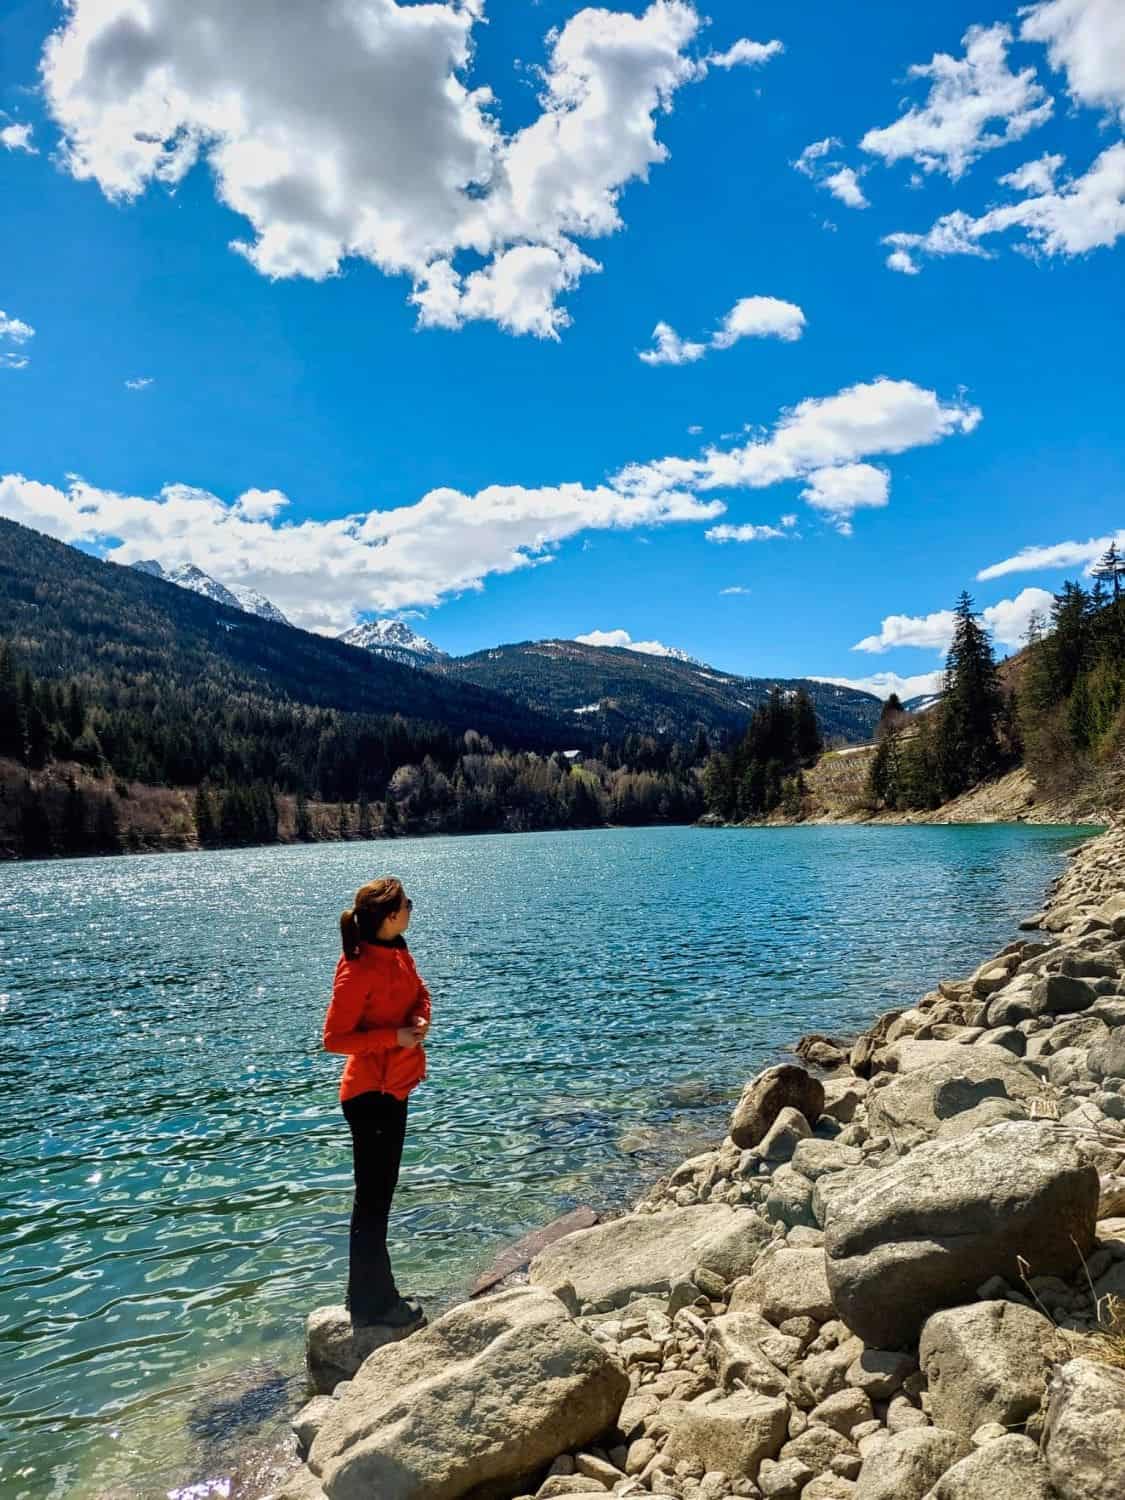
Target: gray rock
{"type": "Point", "coordinates": [842, 1097]}
{"type": "Point", "coordinates": [1008, 1037]}
{"type": "Point", "coordinates": [786, 1283]}
{"type": "Point", "coordinates": [731, 1433]}
{"type": "Point", "coordinates": [823, 1373]}
{"type": "Point", "coordinates": [817, 1446]}
{"type": "Point", "coordinates": [987, 1112]}
{"type": "Point", "coordinates": [490, 1392]}
{"type": "Point", "coordinates": [925, 1232]}
{"type": "Point", "coordinates": [624, 1258]}
{"type": "Point", "coordinates": [308, 1422]}
{"type": "Point", "coordinates": [783, 1479]}
{"type": "Point", "coordinates": [843, 1411]}
{"type": "Point", "coordinates": [910, 1108]}
{"type": "Point", "coordinates": [786, 1086]}
{"type": "Point", "coordinates": [1077, 1031]}
{"type": "Point", "coordinates": [732, 1347]}
{"type": "Point", "coordinates": [1107, 1057]}
{"type": "Point", "coordinates": [828, 1487]}
{"type": "Point", "coordinates": [909, 1464]}
{"type": "Point", "coordinates": [789, 1199]}
{"type": "Point", "coordinates": [1084, 1437]}
{"type": "Point", "coordinates": [879, 1373]}
{"type": "Point", "coordinates": [334, 1350]}
{"type": "Point", "coordinates": [1007, 1469]}
{"type": "Point", "coordinates": [987, 1362]}
{"type": "Point", "coordinates": [783, 1137]}
{"type": "Point", "coordinates": [814, 1158]}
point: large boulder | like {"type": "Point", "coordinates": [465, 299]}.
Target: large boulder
{"type": "Point", "coordinates": [1053, 995]}
{"type": "Point", "coordinates": [1008, 1468]}
{"type": "Point", "coordinates": [911, 1107]}
{"type": "Point", "coordinates": [489, 1393]}
{"type": "Point", "coordinates": [783, 1087]}
{"type": "Point", "coordinates": [925, 1232]}
{"type": "Point", "coordinates": [627, 1257]}
{"type": "Point", "coordinates": [1084, 1438]}
{"type": "Point", "coordinates": [731, 1433]}
{"type": "Point", "coordinates": [987, 1362]}
{"type": "Point", "coordinates": [909, 1464]}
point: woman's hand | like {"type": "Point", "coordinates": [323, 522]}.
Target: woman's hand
{"type": "Point", "coordinates": [414, 1034]}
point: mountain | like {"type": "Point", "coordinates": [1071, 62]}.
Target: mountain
{"type": "Point", "coordinates": [130, 632]}
{"type": "Point", "coordinates": [395, 640]}
{"type": "Point", "coordinates": [612, 691]}
{"type": "Point", "coordinates": [921, 702]}
{"type": "Point", "coordinates": [237, 596]}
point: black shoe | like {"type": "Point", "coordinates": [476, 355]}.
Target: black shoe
{"type": "Point", "coordinates": [400, 1313]}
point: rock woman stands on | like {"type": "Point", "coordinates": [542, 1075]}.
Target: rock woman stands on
{"type": "Point", "coordinates": [378, 1017]}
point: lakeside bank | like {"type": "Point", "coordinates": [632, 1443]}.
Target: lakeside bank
{"type": "Point", "coordinates": [730, 1334]}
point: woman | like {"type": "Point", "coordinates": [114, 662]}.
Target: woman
{"type": "Point", "coordinates": [378, 1017]}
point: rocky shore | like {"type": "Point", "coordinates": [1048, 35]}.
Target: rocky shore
{"type": "Point", "coordinates": [901, 1276]}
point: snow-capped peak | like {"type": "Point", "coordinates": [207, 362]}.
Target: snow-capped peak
{"type": "Point", "coordinates": [395, 640]}
{"type": "Point", "coordinates": [187, 576]}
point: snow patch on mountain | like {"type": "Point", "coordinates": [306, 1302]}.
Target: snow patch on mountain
{"type": "Point", "coordinates": [395, 640]}
{"type": "Point", "coordinates": [237, 596]}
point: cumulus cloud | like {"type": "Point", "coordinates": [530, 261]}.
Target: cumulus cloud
{"type": "Point", "coordinates": [840, 180]}
{"type": "Point", "coordinates": [1007, 620]}
{"type": "Point", "coordinates": [670, 349]}
{"type": "Point", "coordinates": [746, 533]}
{"type": "Point", "coordinates": [1085, 39]}
{"type": "Point", "coordinates": [1081, 214]}
{"type": "Point", "coordinates": [814, 438]}
{"type": "Point", "coordinates": [325, 573]}
{"type": "Point", "coordinates": [950, 130]}
{"type": "Point", "coordinates": [1054, 557]}
{"type": "Point", "coordinates": [749, 318]}
{"type": "Point", "coordinates": [622, 638]}
{"type": "Point", "coordinates": [352, 129]}
{"type": "Point", "coordinates": [17, 138]}
{"type": "Point", "coordinates": [883, 684]}
{"type": "Point", "coordinates": [839, 492]}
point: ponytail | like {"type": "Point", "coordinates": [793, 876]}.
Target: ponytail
{"type": "Point", "coordinates": [349, 933]}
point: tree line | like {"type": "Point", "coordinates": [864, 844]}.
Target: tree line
{"type": "Point", "coordinates": [252, 766]}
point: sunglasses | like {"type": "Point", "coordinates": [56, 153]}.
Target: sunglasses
{"type": "Point", "coordinates": [408, 904]}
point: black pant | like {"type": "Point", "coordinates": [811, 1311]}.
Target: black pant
{"type": "Point", "coordinates": [378, 1126]}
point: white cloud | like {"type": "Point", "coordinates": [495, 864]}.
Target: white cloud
{"type": "Point", "coordinates": [14, 331]}
{"type": "Point", "coordinates": [760, 318]}
{"type": "Point", "coordinates": [1086, 40]}
{"type": "Point", "coordinates": [17, 138]}
{"type": "Point", "coordinates": [841, 181]}
{"type": "Point", "coordinates": [883, 684]}
{"type": "Point", "coordinates": [695, 429]}
{"type": "Point", "coordinates": [844, 185]}
{"type": "Point", "coordinates": [1055, 557]}
{"type": "Point", "coordinates": [899, 260]}
{"type": "Point", "coordinates": [750, 317]}
{"type": "Point", "coordinates": [670, 349]}
{"type": "Point", "coordinates": [622, 638]}
{"type": "Point", "coordinates": [736, 588]}
{"type": "Point", "coordinates": [1082, 214]}
{"type": "Point", "coordinates": [747, 533]}
{"type": "Point", "coordinates": [839, 492]}
{"type": "Point", "coordinates": [139, 383]}
{"type": "Point", "coordinates": [322, 574]}
{"type": "Point", "coordinates": [1036, 176]}
{"type": "Point", "coordinates": [818, 434]}
{"type": "Point", "coordinates": [753, 54]}
{"type": "Point", "coordinates": [352, 129]}
{"type": "Point", "coordinates": [1007, 620]}
{"type": "Point", "coordinates": [949, 131]}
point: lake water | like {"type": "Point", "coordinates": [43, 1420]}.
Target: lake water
{"type": "Point", "coordinates": [175, 1181]}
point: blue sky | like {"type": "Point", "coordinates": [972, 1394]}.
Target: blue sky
{"type": "Point", "coordinates": [431, 401]}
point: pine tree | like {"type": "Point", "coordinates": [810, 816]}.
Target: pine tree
{"type": "Point", "coordinates": [971, 708]}
{"type": "Point", "coordinates": [806, 729]}
{"type": "Point", "coordinates": [303, 820]}
{"type": "Point", "coordinates": [1110, 568]}
{"type": "Point", "coordinates": [74, 837]}
{"type": "Point", "coordinates": [204, 816]}
{"type": "Point", "coordinates": [13, 721]}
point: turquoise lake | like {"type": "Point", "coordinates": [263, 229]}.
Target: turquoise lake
{"type": "Point", "coordinates": [176, 1173]}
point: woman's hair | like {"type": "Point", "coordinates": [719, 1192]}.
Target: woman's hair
{"type": "Point", "coordinates": [374, 902]}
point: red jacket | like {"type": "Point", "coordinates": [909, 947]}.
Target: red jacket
{"type": "Point", "coordinates": [372, 996]}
